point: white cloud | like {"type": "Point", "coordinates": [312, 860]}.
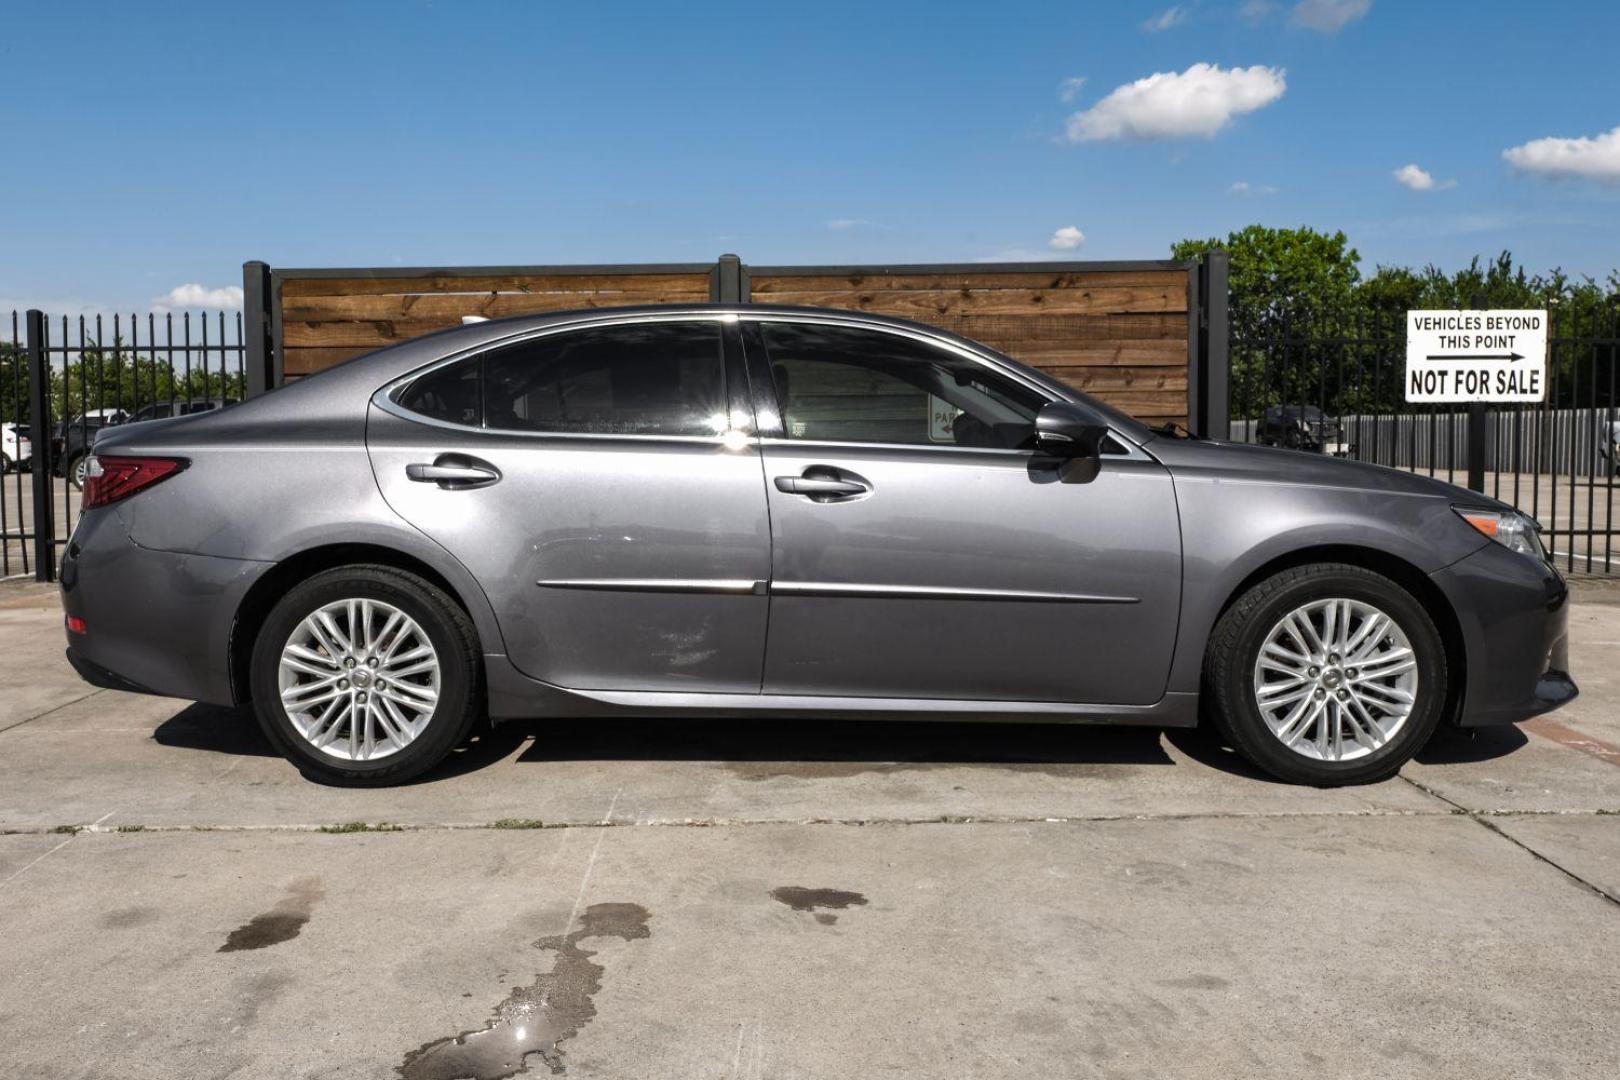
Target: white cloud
{"type": "Point", "coordinates": [1067, 238]}
{"type": "Point", "coordinates": [1168, 105]}
{"type": "Point", "coordinates": [1256, 10]}
{"type": "Point", "coordinates": [1069, 88]}
{"type": "Point", "coordinates": [1328, 16]}
{"type": "Point", "coordinates": [1417, 178]}
{"type": "Point", "coordinates": [1166, 19]}
{"type": "Point", "coordinates": [192, 296]}
{"type": "Point", "coordinates": [1590, 158]}
{"type": "Point", "coordinates": [1243, 187]}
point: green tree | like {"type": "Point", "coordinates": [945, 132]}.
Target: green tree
{"type": "Point", "coordinates": [1291, 290]}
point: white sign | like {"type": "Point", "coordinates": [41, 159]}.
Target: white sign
{"type": "Point", "coordinates": [1476, 355]}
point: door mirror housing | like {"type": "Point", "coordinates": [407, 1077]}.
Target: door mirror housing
{"type": "Point", "coordinates": [1073, 432]}
{"type": "Point", "coordinates": [1068, 429]}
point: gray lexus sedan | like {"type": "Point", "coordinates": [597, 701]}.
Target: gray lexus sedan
{"type": "Point", "coordinates": [784, 512]}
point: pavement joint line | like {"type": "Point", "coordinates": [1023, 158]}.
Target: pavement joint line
{"type": "Point", "coordinates": [52, 709]}
{"type": "Point", "coordinates": [1483, 820]}
{"type": "Point", "coordinates": [329, 829]}
{"type": "Point", "coordinates": [41, 858]}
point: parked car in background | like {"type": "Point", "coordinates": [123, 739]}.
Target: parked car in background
{"type": "Point", "coordinates": [772, 512]}
{"type": "Point", "coordinates": [75, 438]}
{"type": "Point", "coordinates": [1298, 427]}
{"type": "Point", "coordinates": [1609, 446]}
{"type": "Point", "coordinates": [16, 448]}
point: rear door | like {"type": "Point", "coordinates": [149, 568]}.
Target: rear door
{"type": "Point", "coordinates": [602, 487]}
{"type": "Point", "coordinates": [923, 550]}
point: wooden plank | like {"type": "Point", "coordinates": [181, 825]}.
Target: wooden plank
{"type": "Point", "coordinates": [517, 283]}
{"type": "Point", "coordinates": [1067, 329]}
{"type": "Point", "coordinates": [1148, 404]}
{"type": "Point", "coordinates": [309, 361]}
{"type": "Point", "coordinates": [374, 306]}
{"type": "Point", "coordinates": [1101, 380]}
{"type": "Point", "coordinates": [989, 278]}
{"type": "Point", "coordinates": [368, 334]}
{"type": "Point", "coordinates": [928, 304]}
{"type": "Point", "coordinates": [1126, 354]}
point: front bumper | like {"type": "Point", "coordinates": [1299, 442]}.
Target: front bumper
{"type": "Point", "coordinates": [156, 622]}
{"type": "Point", "coordinates": [1513, 613]}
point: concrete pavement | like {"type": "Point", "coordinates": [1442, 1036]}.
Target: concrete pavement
{"type": "Point", "coordinates": [743, 900]}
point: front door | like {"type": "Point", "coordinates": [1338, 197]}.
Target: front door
{"type": "Point", "coordinates": [595, 484]}
{"type": "Point", "coordinates": [921, 550]}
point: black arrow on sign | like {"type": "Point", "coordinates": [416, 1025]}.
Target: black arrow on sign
{"type": "Point", "coordinates": [1512, 356]}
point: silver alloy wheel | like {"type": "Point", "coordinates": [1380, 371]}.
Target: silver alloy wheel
{"type": "Point", "coordinates": [81, 467]}
{"type": "Point", "coordinates": [359, 679]}
{"type": "Point", "coordinates": [1335, 679]}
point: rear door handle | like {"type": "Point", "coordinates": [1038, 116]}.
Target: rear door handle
{"type": "Point", "coordinates": [454, 472]}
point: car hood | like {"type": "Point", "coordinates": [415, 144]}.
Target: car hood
{"type": "Point", "coordinates": [1212, 458]}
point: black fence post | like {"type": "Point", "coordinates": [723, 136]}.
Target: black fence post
{"type": "Point", "coordinates": [1209, 344]}
{"type": "Point", "coordinates": [728, 281]}
{"type": "Point", "coordinates": [1217, 347]}
{"type": "Point", "coordinates": [39, 424]}
{"type": "Point", "coordinates": [1476, 430]}
{"type": "Point", "coordinates": [259, 375]}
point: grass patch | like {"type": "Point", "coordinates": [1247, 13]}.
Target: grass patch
{"type": "Point", "coordinates": [518, 823]}
{"type": "Point", "coordinates": [132, 828]}
{"type": "Point", "coordinates": [66, 829]}
{"type": "Point", "coordinates": [362, 826]}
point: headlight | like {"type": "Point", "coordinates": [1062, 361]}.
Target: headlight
{"type": "Point", "coordinates": [1514, 531]}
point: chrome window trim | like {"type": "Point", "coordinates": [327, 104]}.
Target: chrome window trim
{"type": "Point", "coordinates": [385, 398]}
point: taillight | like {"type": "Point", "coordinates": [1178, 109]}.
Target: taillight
{"type": "Point", "coordinates": [109, 478]}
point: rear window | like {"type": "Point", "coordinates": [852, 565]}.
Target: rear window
{"type": "Point", "coordinates": [656, 378]}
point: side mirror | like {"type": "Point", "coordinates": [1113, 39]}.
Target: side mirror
{"type": "Point", "coordinates": [1071, 431]}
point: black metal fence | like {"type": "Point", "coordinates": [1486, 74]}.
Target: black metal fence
{"type": "Point", "coordinates": [63, 379]}
{"type": "Point", "coordinates": [1340, 391]}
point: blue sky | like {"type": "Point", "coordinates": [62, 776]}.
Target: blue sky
{"type": "Point", "coordinates": [152, 146]}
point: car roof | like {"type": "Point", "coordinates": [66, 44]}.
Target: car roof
{"type": "Point", "coordinates": [491, 331]}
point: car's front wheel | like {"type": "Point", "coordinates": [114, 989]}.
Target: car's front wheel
{"type": "Point", "coordinates": [366, 675]}
{"type": "Point", "coordinates": [1327, 674]}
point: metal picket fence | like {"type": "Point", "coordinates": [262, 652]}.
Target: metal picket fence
{"type": "Point", "coordinates": [65, 378]}
{"type": "Point", "coordinates": [1341, 392]}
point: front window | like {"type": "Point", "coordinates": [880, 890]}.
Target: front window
{"type": "Point", "coordinates": [846, 384]}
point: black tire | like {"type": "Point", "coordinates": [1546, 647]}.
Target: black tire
{"type": "Point", "coordinates": [73, 471]}
{"type": "Point", "coordinates": [448, 629]}
{"type": "Point", "coordinates": [1234, 647]}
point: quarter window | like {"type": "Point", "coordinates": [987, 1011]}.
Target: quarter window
{"type": "Point", "coordinates": [843, 384]}
{"type": "Point", "coordinates": [654, 378]}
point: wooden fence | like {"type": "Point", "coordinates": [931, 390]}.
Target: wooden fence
{"type": "Point", "coordinates": [1127, 333]}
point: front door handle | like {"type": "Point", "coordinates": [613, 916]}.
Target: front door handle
{"type": "Point", "coordinates": [822, 487]}
{"type": "Point", "coordinates": [454, 472]}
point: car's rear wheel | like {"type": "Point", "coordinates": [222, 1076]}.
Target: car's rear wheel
{"type": "Point", "coordinates": [77, 469]}
{"type": "Point", "coordinates": [366, 675]}
{"type": "Point", "coordinates": [1327, 674]}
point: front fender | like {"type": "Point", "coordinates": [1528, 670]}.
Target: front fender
{"type": "Point", "coordinates": [1233, 529]}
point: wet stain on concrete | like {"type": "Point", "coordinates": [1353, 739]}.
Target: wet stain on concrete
{"type": "Point", "coordinates": [128, 918]}
{"type": "Point", "coordinates": [800, 898]}
{"type": "Point", "coordinates": [281, 923]}
{"type": "Point", "coordinates": [534, 1019]}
